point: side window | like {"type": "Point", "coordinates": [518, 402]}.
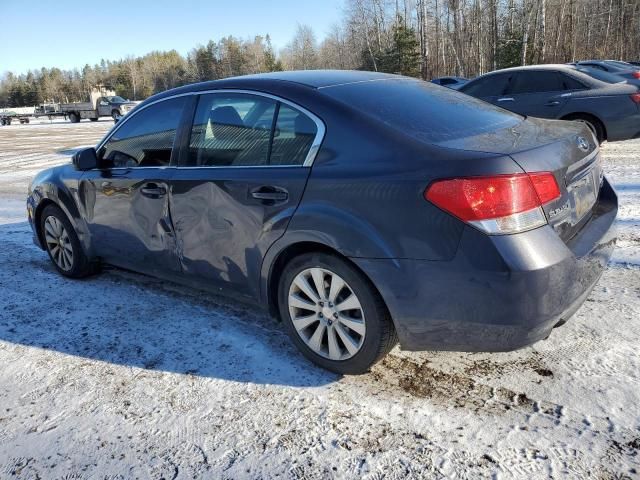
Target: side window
{"type": "Point", "coordinates": [231, 130]}
{"type": "Point", "coordinates": [447, 81]}
{"type": "Point", "coordinates": [490, 86]}
{"type": "Point", "coordinates": [536, 82]}
{"type": "Point", "coordinates": [146, 139]}
{"type": "Point", "coordinates": [571, 83]}
{"type": "Point", "coordinates": [293, 137]}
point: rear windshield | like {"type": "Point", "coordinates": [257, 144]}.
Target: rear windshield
{"type": "Point", "coordinates": [423, 110]}
{"type": "Point", "coordinates": [600, 74]}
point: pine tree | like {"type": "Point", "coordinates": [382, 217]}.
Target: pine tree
{"type": "Point", "coordinates": [270, 62]}
{"type": "Point", "coordinates": [403, 56]}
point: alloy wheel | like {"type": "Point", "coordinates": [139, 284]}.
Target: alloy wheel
{"type": "Point", "coordinates": [326, 314]}
{"type": "Point", "coordinates": [58, 243]}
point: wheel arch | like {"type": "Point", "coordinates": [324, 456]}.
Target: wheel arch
{"type": "Point", "coordinates": [269, 292]}
{"type": "Point", "coordinates": [587, 116]}
{"type": "Point", "coordinates": [64, 202]}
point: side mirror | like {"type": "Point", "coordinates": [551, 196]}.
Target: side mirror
{"type": "Point", "coordinates": [85, 159]}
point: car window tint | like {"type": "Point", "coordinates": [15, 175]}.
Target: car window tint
{"type": "Point", "coordinates": [600, 75]}
{"type": "Point", "coordinates": [570, 83]}
{"type": "Point", "coordinates": [489, 86]}
{"type": "Point", "coordinates": [231, 130]}
{"type": "Point", "coordinates": [422, 110]}
{"type": "Point", "coordinates": [535, 82]}
{"type": "Point", "coordinates": [293, 137]}
{"type": "Point", "coordinates": [594, 65]}
{"type": "Point", "coordinates": [146, 139]}
{"type": "Point", "coordinates": [447, 81]}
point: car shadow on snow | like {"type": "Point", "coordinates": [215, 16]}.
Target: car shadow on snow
{"type": "Point", "coordinates": [129, 319]}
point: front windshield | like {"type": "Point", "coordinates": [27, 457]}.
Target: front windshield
{"type": "Point", "coordinates": [115, 99]}
{"type": "Point", "coordinates": [601, 75]}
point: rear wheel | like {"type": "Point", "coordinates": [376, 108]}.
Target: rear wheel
{"type": "Point", "coordinates": [94, 119]}
{"type": "Point", "coordinates": [62, 243]}
{"type": "Point", "coordinates": [74, 118]}
{"type": "Point", "coordinates": [333, 314]}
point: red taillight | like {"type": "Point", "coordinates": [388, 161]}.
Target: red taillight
{"type": "Point", "coordinates": [502, 198]}
{"type": "Point", "coordinates": [545, 185]}
{"type": "Point", "coordinates": [635, 97]}
{"type": "Point", "coordinates": [636, 74]}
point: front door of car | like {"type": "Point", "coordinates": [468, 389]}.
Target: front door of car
{"type": "Point", "coordinates": [126, 200]}
{"type": "Point", "coordinates": [537, 93]}
{"type": "Point", "coordinates": [239, 182]}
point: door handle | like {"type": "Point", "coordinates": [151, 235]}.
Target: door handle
{"type": "Point", "coordinates": [552, 103]}
{"type": "Point", "coordinates": [505, 99]}
{"type": "Point", "coordinates": [153, 190]}
{"type": "Point", "coordinates": [269, 193]}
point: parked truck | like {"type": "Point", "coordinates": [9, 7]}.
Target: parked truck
{"type": "Point", "coordinates": [102, 102]}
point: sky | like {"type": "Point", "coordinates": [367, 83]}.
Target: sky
{"type": "Point", "coordinates": [90, 31]}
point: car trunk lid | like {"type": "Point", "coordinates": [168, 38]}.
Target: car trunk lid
{"type": "Point", "coordinates": [568, 150]}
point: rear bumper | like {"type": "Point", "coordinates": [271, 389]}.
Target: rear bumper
{"type": "Point", "coordinates": [623, 127]}
{"type": "Point", "coordinates": [499, 293]}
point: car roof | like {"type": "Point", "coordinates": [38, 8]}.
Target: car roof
{"type": "Point", "coordinates": [545, 66]}
{"type": "Point", "coordinates": [311, 79]}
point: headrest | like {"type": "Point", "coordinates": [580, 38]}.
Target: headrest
{"type": "Point", "coordinates": [305, 126]}
{"type": "Point", "coordinates": [222, 117]}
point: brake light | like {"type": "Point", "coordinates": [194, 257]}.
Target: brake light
{"type": "Point", "coordinates": [498, 204]}
{"type": "Point", "coordinates": [636, 74]}
{"type": "Point", "coordinates": [635, 97]}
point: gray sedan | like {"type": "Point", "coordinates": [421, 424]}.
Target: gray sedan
{"type": "Point", "coordinates": [611, 110]}
{"type": "Point", "coordinates": [624, 70]}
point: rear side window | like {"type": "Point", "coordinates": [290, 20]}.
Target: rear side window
{"type": "Point", "coordinates": [146, 139]}
{"type": "Point", "coordinates": [489, 86]}
{"type": "Point", "coordinates": [536, 82]}
{"type": "Point", "coordinates": [242, 130]}
{"type": "Point", "coordinates": [571, 83]}
{"type": "Point", "coordinates": [423, 110]}
{"type": "Point", "coordinates": [293, 137]}
{"type": "Point", "coordinates": [231, 130]}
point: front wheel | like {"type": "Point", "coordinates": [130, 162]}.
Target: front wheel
{"type": "Point", "coordinates": [62, 243]}
{"type": "Point", "coordinates": [333, 314]}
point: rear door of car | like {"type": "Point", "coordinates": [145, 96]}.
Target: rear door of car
{"type": "Point", "coordinates": [244, 165]}
{"type": "Point", "coordinates": [491, 88]}
{"type": "Point", "coordinates": [538, 93]}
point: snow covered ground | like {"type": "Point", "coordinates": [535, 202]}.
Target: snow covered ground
{"type": "Point", "coordinates": [123, 376]}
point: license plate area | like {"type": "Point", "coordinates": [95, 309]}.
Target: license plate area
{"type": "Point", "coordinates": [584, 193]}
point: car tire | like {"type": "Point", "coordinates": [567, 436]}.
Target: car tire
{"type": "Point", "coordinates": [115, 114]}
{"type": "Point", "coordinates": [74, 118]}
{"type": "Point", "coordinates": [93, 119]}
{"type": "Point", "coordinates": [62, 244]}
{"type": "Point", "coordinates": [345, 341]}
